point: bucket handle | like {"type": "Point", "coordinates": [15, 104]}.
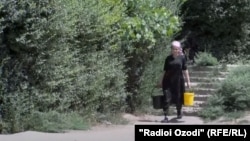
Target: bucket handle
{"type": "Point", "coordinates": [152, 90]}
{"type": "Point", "coordinates": [190, 90]}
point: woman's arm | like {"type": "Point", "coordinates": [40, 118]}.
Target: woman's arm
{"type": "Point", "coordinates": [185, 72]}
{"type": "Point", "coordinates": [159, 84]}
{"type": "Point", "coordinates": [186, 75]}
{"type": "Point", "coordinates": [165, 68]}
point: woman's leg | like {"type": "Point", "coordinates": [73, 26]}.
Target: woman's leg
{"type": "Point", "coordinates": [166, 104]}
{"type": "Point", "coordinates": [177, 100]}
{"type": "Point", "coordinates": [179, 108]}
{"type": "Point", "coordinates": [180, 99]}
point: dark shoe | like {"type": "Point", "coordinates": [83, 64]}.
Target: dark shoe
{"type": "Point", "coordinates": [179, 115]}
{"type": "Point", "coordinates": [165, 120]}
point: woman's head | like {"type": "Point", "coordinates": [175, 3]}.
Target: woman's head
{"type": "Point", "coordinates": [176, 48]}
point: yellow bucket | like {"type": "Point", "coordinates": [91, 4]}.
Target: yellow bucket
{"type": "Point", "coordinates": [189, 98]}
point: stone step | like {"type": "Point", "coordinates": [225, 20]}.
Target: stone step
{"type": "Point", "coordinates": [233, 66]}
{"type": "Point", "coordinates": [206, 79]}
{"type": "Point", "coordinates": [206, 68]}
{"type": "Point", "coordinates": [199, 97]}
{"type": "Point", "coordinates": [220, 68]}
{"type": "Point", "coordinates": [204, 91]}
{"type": "Point", "coordinates": [199, 103]}
{"type": "Point", "coordinates": [187, 111]}
{"type": "Point", "coordinates": [196, 104]}
{"type": "Point", "coordinates": [199, 73]}
{"type": "Point", "coordinates": [204, 84]}
{"type": "Point", "coordinates": [207, 74]}
{"type": "Point", "coordinates": [191, 111]}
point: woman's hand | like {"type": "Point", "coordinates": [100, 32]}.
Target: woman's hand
{"type": "Point", "coordinates": [159, 85]}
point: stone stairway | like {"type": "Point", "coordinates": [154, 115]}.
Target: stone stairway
{"type": "Point", "coordinates": [204, 83]}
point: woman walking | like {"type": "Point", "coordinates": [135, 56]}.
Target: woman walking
{"type": "Point", "coordinates": [173, 80]}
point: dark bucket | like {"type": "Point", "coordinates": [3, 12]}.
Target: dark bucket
{"type": "Point", "coordinates": [157, 101]}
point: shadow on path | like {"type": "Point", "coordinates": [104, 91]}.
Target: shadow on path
{"type": "Point", "coordinates": [172, 120]}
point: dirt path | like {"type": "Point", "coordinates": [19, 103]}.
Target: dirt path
{"type": "Point", "coordinates": [117, 133]}
{"type": "Point", "coordinates": [102, 133]}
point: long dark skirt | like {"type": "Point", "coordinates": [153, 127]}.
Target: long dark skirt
{"type": "Point", "coordinates": [174, 93]}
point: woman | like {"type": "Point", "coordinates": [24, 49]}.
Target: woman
{"type": "Point", "coordinates": [173, 80]}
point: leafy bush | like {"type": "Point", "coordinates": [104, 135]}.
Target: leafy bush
{"type": "Point", "coordinates": [222, 25]}
{"type": "Point", "coordinates": [235, 90]}
{"type": "Point", "coordinates": [214, 107]}
{"type": "Point", "coordinates": [63, 56]}
{"type": "Point", "coordinates": [165, 25]}
{"type": "Point", "coordinates": [205, 59]}
{"type": "Point", "coordinates": [233, 94]}
{"type": "Point", "coordinates": [60, 56]}
{"type": "Point", "coordinates": [145, 29]}
{"type": "Point", "coordinates": [55, 122]}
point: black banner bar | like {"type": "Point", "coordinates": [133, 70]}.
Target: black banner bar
{"type": "Point", "coordinates": [204, 132]}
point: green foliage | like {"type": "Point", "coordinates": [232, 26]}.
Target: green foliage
{"type": "Point", "coordinates": [221, 27]}
{"type": "Point", "coordinates": [148, 26]}
{"type": "Point", "coordinates": [95, 54]}
{"type": "Point", "coordinates": [151, 77]}
{"type": "Point", "coordinates": [232, 96]}
{"type": "Point", "coordinates": [212, 113]}
{"type": "Point", "coordinates": [59, 56]}
{"type": "Point", "coordinates": [236, 90]}
{"type": "Point", "coordinates": [205, 59]}
{"type": "Point", "coordinates": [55, 122]}
{"type": "Point", "coordinates": [23, 34]}
{"type": "Point", "coordinates": [214, 107]}
{"type": "Point", "coordinates": [148, 22]}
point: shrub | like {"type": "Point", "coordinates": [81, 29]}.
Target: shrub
{"type": "Point", "coordinates": [233, 95]}
{"type": "Point", "coordinates": [213, 108]}
{"type": "Point", "coordinates": [59, 56]}
{"type": "Point", "coordinates": [55, 122]}
{"type": "Point", "coordinates": [235, 90]}
{"type": "Point", "coordinates": [222, 25]}
{"type": "Point", "coordinates": [205, 59]}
